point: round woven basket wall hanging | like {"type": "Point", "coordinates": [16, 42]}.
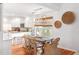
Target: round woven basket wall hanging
{"type": "Point", "coordinates": [57, 24]}
{"type": "Point", "coordinates": [68, 17]}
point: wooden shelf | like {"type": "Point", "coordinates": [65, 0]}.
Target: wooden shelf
{"type": "Point", "coordinates": [43, 25]}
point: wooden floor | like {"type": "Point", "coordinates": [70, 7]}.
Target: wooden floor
{"type": "Point", "coordinates": [66, 52]}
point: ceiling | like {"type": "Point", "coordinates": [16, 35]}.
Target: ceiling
{"type": "Point", "coordinates": [28, 9]}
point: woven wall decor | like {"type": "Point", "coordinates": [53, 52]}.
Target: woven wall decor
{"type": "Point", "coordinates": [58, 24]}
{"type": "Point", "coordinates": [68, 17]}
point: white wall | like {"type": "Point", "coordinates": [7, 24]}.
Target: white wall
{"type": "Point", "coordinates": [1, 46]}
{"type": "Point", "coordinates": [69, 34]}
